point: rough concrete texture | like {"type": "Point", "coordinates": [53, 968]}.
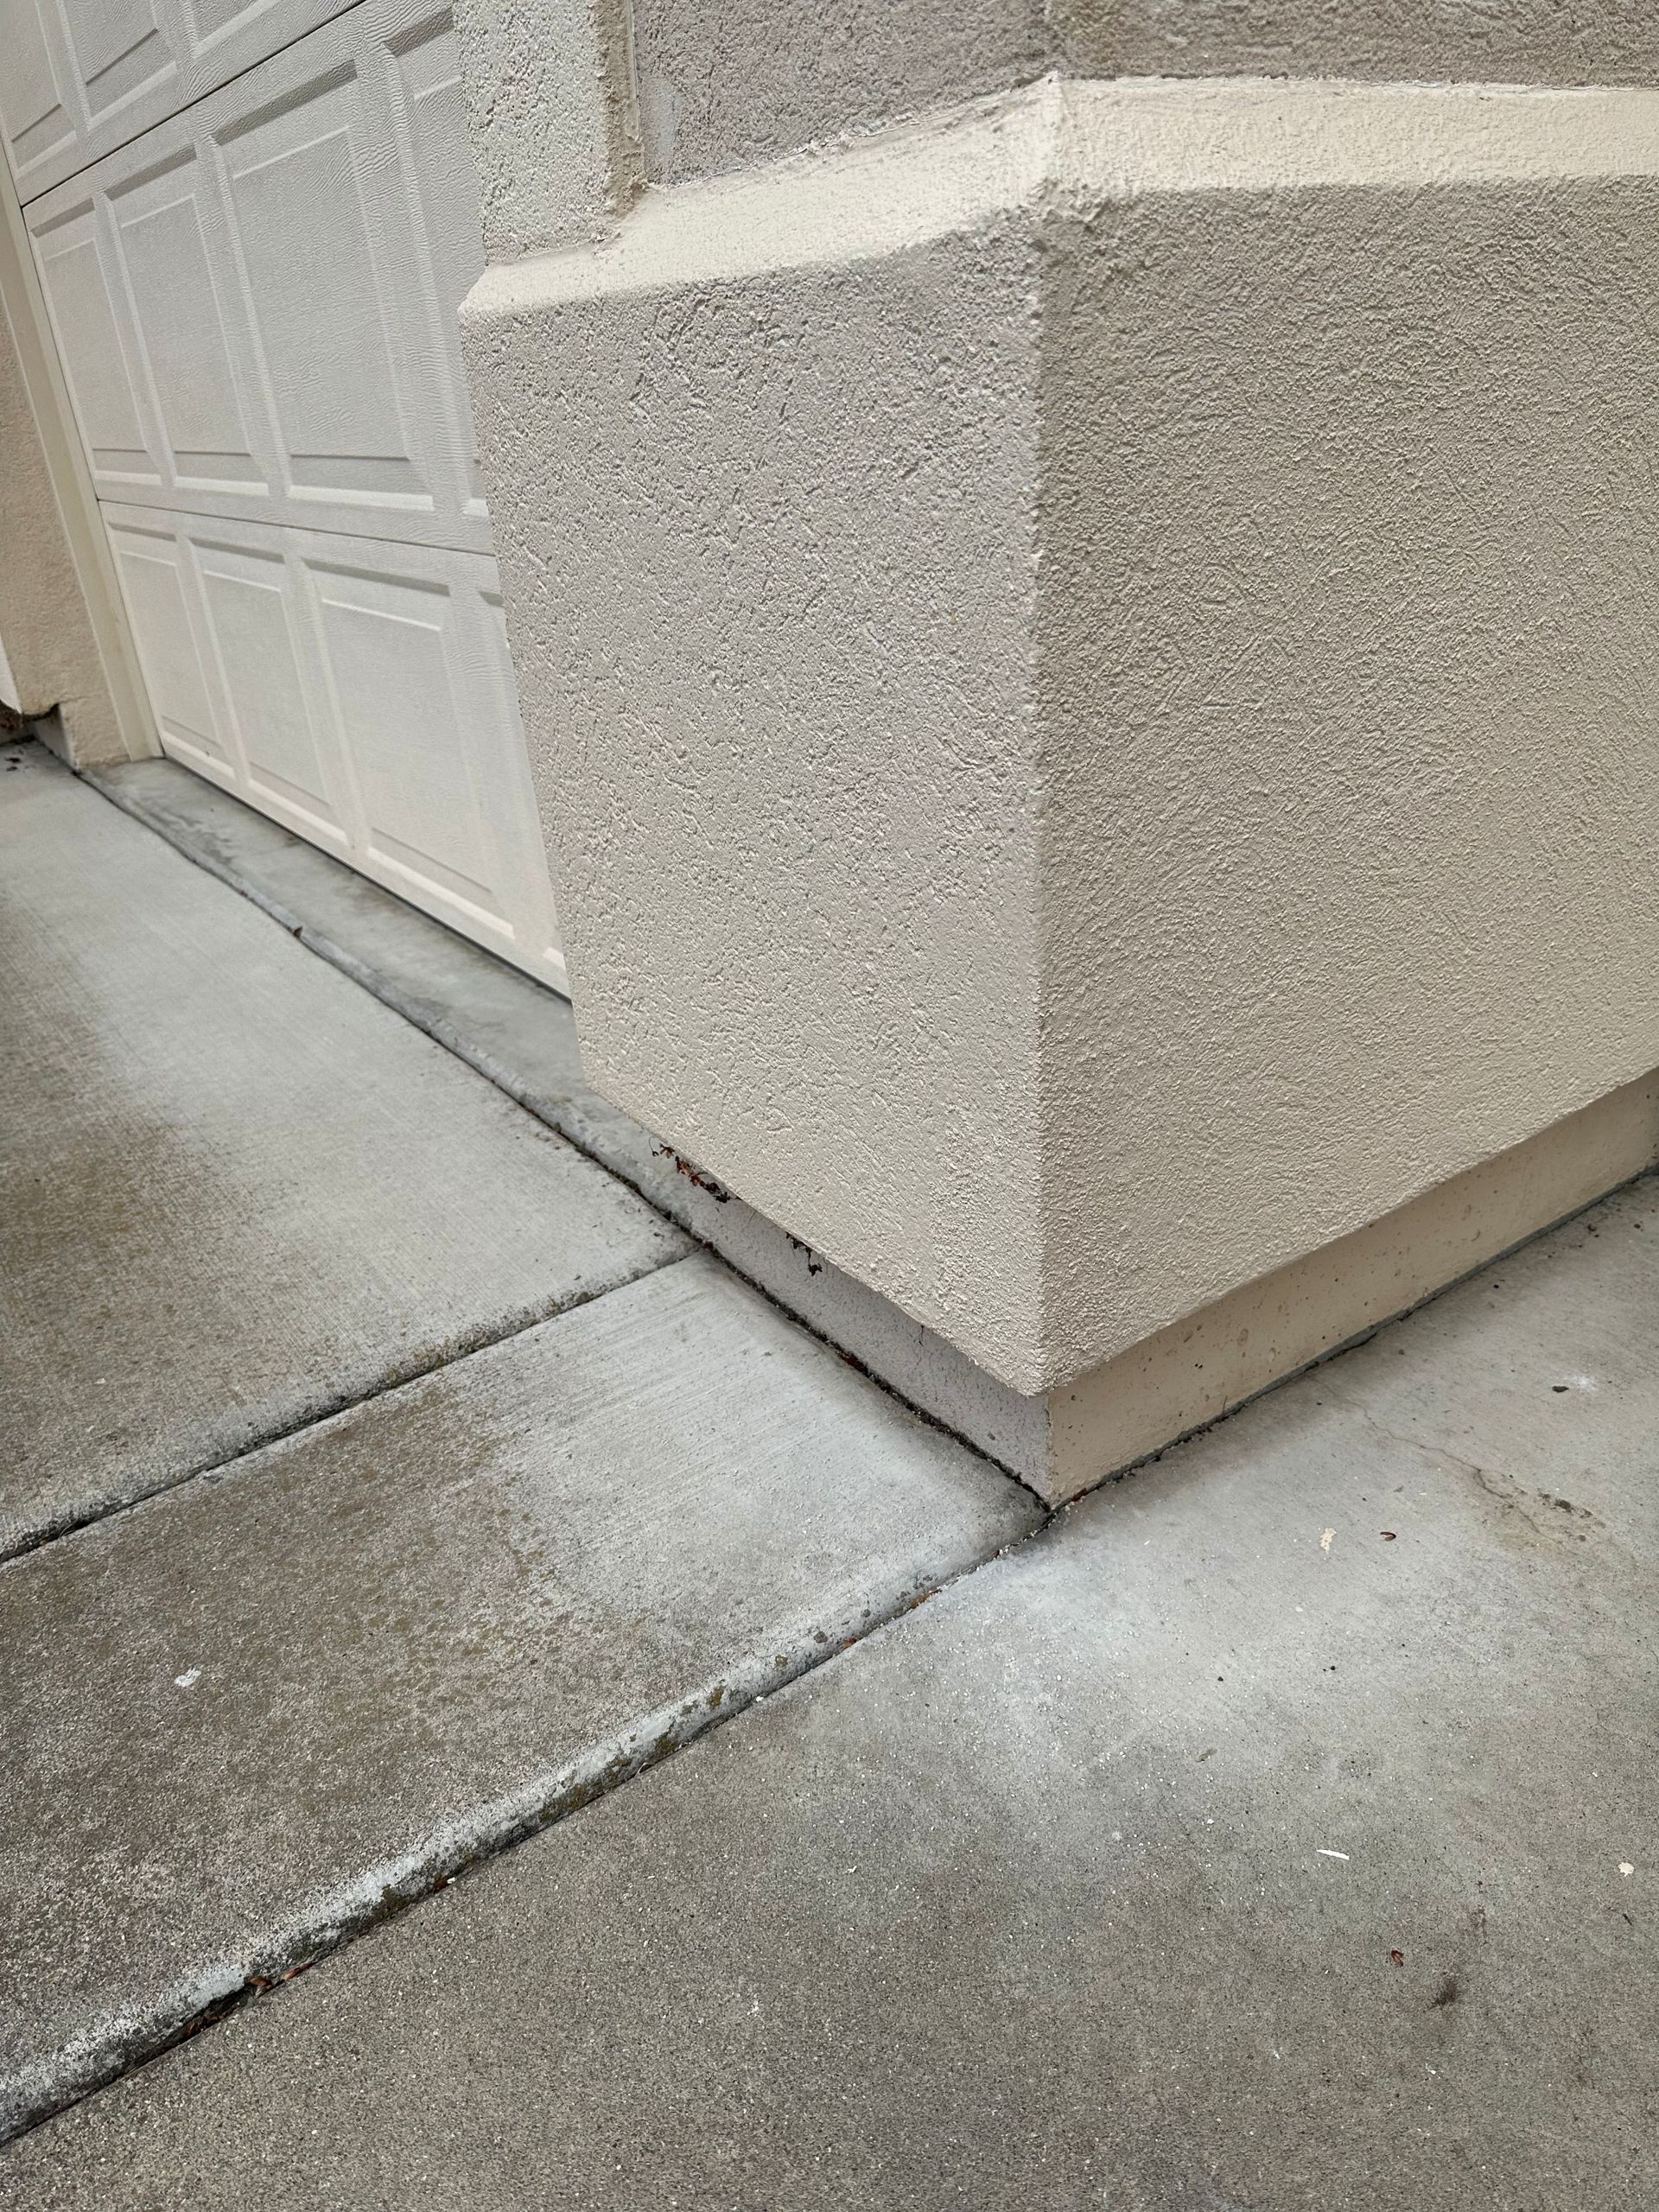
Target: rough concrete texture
{"type": "Point", "coordinates": [1273, 1834]}
{"type": "Point", "coordinates": [50, 649]}
{"type": "Point", "coordinates": [720, 88]}
{"type": "Point", "coordinates": [238, 1194]}
{"type": "Point", "coordinates": [256, 1713]}
{"type": "Point", "coordinates": [1042, 640]}
{"type": "Point", "coordinates": [553, 118]}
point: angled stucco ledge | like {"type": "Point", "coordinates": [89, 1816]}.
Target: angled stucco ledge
{"type": "Point", "coordinates": [1092, 668]}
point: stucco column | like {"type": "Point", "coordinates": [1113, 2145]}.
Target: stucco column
{"type": "Point", "coordinates": [1089, 650]}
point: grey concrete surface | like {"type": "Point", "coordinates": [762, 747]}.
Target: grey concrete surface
{"type": "Point", "coordinates": [249, 1715]}
{"type": "Point", "coordinates": [523, 1036]}
{"type": "Point", "coordinates": [235, 1193]}
{"type": "Point", "coordinates": [1275, 1833]}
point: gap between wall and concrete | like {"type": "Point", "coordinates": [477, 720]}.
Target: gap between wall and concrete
{"type": "Point", "coordinates": [521, 1037]}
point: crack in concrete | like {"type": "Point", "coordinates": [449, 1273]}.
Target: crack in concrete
{"type": "Point", "coordinates": [1497, 1481]}
{"type": "Point", "coordinates": [122, 2043]}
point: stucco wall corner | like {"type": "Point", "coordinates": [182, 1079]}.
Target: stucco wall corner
{"type": "Point", "coordinates": [766, 529]}
{"type": "Point", "coordinates": [553, 118]}
{"type": "Point", "coordinates": [1349, 686]}
{"type": "Point", "coordinates": [1091, 669]}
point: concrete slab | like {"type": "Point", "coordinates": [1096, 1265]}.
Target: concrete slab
{"type": "Point", "coordinates": [518, 1032]}
{"type": "Point", "coordinates": [523, 1036]}
{"type": "Point", "coordinates": [236, 1193]}
{"type": "Point", "coordinates": [259, 1711]}
{"type": "Point", "coordinates": [1276, 1833]}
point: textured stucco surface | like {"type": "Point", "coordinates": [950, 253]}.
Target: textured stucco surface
{"type": "Point", "coordinates": [721, 87]}
{"type": "Point", "coordinates": [1495, 41]}
{"type": "Point", "coordinates": [796, 781]}
{"type": "Point", "coordinates": [551, 113]}
{"type": "Point", "coordinates": [1092, 672]}
{"type": "Point", "coordinates": [743, 83]}
{"type": "Point", "coordinates": [52, 653]}
{"type": "Point", "coordinates": [1349, 643]}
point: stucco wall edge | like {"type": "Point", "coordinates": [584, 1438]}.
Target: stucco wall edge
{"type": "Point", "coordinates": [1071, 144]}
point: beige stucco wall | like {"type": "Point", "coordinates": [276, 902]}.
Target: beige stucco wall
{"type": "Point", "coordinates": [1349, 655]}
{"type": "Point", "coordinates": [1090, 664]}
{"type": "Point", "coordinates": [553, 118]}
{"type": "Point", "coordinates": [50, 648]}
{"type": "Point", "coordinates": [810, 867]}
{"type": "Point", "coordinates": [724, 87]}
{"type": "Point", "coordinates": [61, 614]}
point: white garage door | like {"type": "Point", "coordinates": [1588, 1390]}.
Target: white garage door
{"type": "Point", "coordinates": [253, 225]}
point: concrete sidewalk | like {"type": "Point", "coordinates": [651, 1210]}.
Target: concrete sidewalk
{"type": "Point", "coordinates": [236, 1193]}
{"type": "Point", "coordinates": [1272, 1831]}
{"type": "Point", "coordinates": [250, 1705]}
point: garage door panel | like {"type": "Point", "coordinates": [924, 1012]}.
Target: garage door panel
{"type": "Point", "coordinates": [37, 124]}
{"type": "Point", "coordinates": [392, 654]}
{"type": "Point", "coordinates": [318, 300]}
{"type": "Point", "coordinates": [154, 575]}
{"type": "Point", "coordinates": [311, 374]}
{"type": "Point", "coordinates": [254, 629]}
{"type": "Point", "coordinates": [407, 639]}
{"type": "Point", "coordinates": [76, 279]}
{"type": "Point", "coordinates": [359, 692]}
{"type": "Point", "coordinates": [257, 302]}
{"type": "Point", "coordinates": [180, 330]}
{"type": "Point", "coordinates": [120, 48]}
{"type": "Point", "coordinates": [427, 66]}
{"type": "Point", "coordinates": [91, 75]}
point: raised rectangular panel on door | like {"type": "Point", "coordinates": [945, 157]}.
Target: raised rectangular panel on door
{"type": "Point", "coordinates": [119, 49]}
{"type": "Point", "coordinates": [254, 627]}
{"type": "Point", "coordinates": [396, 666]}
{"type": "Point", "coordinates": [317, 304]}
{"type": "Point", "coordinates": [37, 124]}
{"type": "Point", "coordinates": [180, 313]}
{"type": "Point", "coordinates": [89, 75]}
{"type": "Point", "coordinates": [151, 564]}
{"type": "Point", "coordinates": [107, 406]}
